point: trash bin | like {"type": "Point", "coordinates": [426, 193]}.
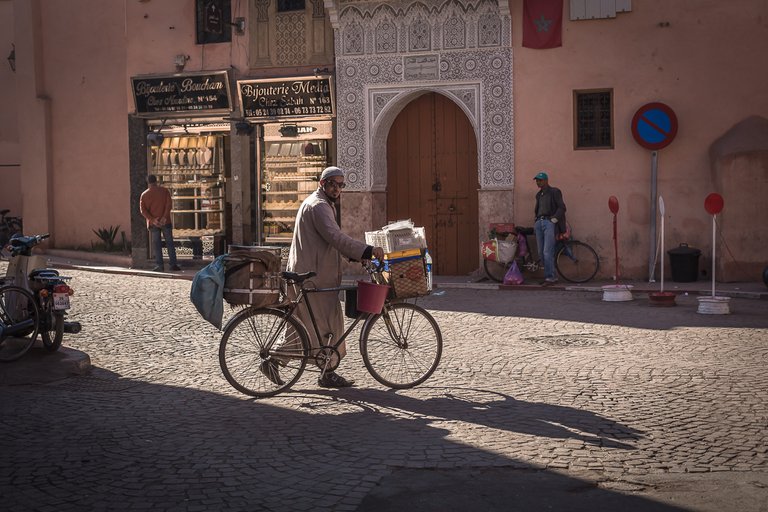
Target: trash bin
{"type": "Point", "coordinates": [684, 261]}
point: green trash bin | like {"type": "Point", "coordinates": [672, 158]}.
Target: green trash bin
{"type": "Point", "coordinates": [684, 262]}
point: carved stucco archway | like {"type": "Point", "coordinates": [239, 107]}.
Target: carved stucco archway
{"type": "Point", "coordinates": [387, 54]}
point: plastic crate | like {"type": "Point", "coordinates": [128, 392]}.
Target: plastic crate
{"type": "Point", "coordinates": [397, 240]}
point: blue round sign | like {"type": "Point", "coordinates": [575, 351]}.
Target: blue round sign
{"type": "Point", "coordinates": [654, 126]}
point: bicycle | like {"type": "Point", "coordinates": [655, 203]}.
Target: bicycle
{"type": "Point", "coordinates": [401, 346]}
{"type": "Point", "coordinates": [19, 322]}
{"type": "Point", "coordinates": [575, 261]}
{"type": "Point", "coordinates": [9, 226]}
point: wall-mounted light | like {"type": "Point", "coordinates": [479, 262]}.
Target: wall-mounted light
{"type": "Point", "coordinates": [239, 25]}
{"type": "Point", "coordinates": [12, 58]}
{"type": "Point", "coordinates": [180, 61]}
{"type": "Point", "coordinates": [321, 71]}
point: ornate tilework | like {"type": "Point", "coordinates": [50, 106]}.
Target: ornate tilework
{"type": "Point", "coordinates": [386, 37]}
{"type": "Point", "coordinates": [419, 35]}
{"type": "Point", "coordinates": [489, 30]}
{"type": "Point", "coordinates": [453, 33]}
{"type": "Point", "coordinates": [353, 39]}
{"type": "Point", "coordinates": [291, 45]}
{"type": "Point", "coordinates": [472, 39]}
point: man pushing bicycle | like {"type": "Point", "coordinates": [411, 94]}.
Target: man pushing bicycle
{"type": "Point", "coordinates": [318, 245]}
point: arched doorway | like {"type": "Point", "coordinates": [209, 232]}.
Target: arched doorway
{"type": "Point", "coordinates": [432, 179]}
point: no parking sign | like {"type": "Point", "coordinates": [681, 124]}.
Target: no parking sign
{"type": "Point", "coordinates": [654, 126]}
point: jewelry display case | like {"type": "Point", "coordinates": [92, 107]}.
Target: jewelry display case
{"type": "Point", "coordinates": [192, 167]}
{"type": "Point", "coordinates": [292, 169]}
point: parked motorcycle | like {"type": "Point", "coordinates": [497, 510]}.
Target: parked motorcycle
{"type": "Point", "coordinates": [50, 289]}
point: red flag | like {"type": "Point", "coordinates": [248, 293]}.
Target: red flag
{"type": "Point", "coordinates": [542, 23]}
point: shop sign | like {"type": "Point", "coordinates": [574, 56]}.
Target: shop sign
{"type": "Point", "coordinates": [301, 97]}
{"type": "Point", "coordinates": [197, 93]}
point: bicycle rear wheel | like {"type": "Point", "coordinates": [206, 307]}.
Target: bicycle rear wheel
{"type": "Point", "coordinates": [577, 262]}
{"type": "Point", "coordinates": [402, 346]}
{"type": "Point", "coordinates": [263, 352]}
{"type": "Point", "coordinates": [19, 322]}
{"type": "Point", "coordinates": [495, 270]}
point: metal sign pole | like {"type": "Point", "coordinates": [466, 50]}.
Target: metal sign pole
{"type": "Point", "coordinates": [652, 253]}
{"type": "Point", "coordinates": [714, 240]}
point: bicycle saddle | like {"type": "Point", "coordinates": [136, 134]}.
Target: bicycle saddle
{"type": "Point", "coordinates": [3, 212]}
{"type": "Point", "coordinates": [297, 278]}
{"type": "Point", "coordinates": [525, 231]}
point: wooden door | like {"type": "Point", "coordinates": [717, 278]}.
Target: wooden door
{"type": "Point", "coordinates": [432, 179]}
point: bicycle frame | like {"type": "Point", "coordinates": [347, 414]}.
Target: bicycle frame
{"type": "Point", "coordinates": [304, 294]}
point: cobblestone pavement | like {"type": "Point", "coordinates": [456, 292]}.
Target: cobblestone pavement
{"type": "Point", "coordinates": [556, 381]}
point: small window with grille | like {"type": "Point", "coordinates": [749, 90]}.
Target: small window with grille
{"type": "Point", "coordinates": [593, 119]}
{"type": "Point", "coordinates": [290, 5]}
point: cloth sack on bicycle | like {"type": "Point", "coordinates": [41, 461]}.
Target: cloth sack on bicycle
{"type": "Point", "coordinates": [513, 275]}
{"type": "Point", "coordinates": [502, 251]}
{"type": "Point", "coordinates": [250, 277]}
{"type": "Point", "coordinates": [207, 293]}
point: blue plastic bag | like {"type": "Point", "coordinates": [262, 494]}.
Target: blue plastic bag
{"type": "Point", "coordinates": [207, 293]}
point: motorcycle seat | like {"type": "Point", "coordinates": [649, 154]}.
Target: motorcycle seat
{"type": "Point", "coordinates": [44, 274]}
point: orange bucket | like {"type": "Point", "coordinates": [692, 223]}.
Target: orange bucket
{"type": "Point", "coordinates": [371, 296]}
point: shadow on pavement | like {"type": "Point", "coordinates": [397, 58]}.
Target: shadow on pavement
{"type": "Point", "coordinates": [499, 489]}
{"type": "Point", "coordinates": [494, 410]}
{"type": "Point", "coordinates": [86, 442]}
{"type": "Point", "coordinates": [588, 307]}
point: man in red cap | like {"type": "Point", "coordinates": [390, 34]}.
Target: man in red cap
{"type": "Point", "coordinates": [550, 221]}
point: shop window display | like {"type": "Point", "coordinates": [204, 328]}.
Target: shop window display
{"type": "Point", "coordinates": [192, 167]}
{"type": "Point", "coordinates": [291, 172]}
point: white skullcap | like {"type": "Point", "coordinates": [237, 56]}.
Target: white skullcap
{"type": "Point", "coordinates": [331, 171]}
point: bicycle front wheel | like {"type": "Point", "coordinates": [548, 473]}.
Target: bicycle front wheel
{"type": "Point", "coordinates": [263, 352]}
{"type": "Point", "coordinates": [19, 322]}
{"type": "Point", "coordinates": [577, 262]}
{"type": "Point", "coordinates": [495, 270]}
{"type": "Point", "coordinates": [401, 347]}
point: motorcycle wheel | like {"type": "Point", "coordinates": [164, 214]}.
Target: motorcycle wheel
{"type": "Point", "coordinates": [53, 335]}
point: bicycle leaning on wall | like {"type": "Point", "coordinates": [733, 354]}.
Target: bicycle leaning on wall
{"type": "Point", "coordinates": [575, 261]}
{"type": "Point", "coordinates": [9, 226]}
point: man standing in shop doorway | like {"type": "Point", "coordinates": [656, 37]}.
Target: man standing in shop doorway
{"type": "Point", "coordinates": [550, 220]}
{"type": "Point", "coordinates": [155, 206]}
{"type": "Point", "coordinates": [318, 245]}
